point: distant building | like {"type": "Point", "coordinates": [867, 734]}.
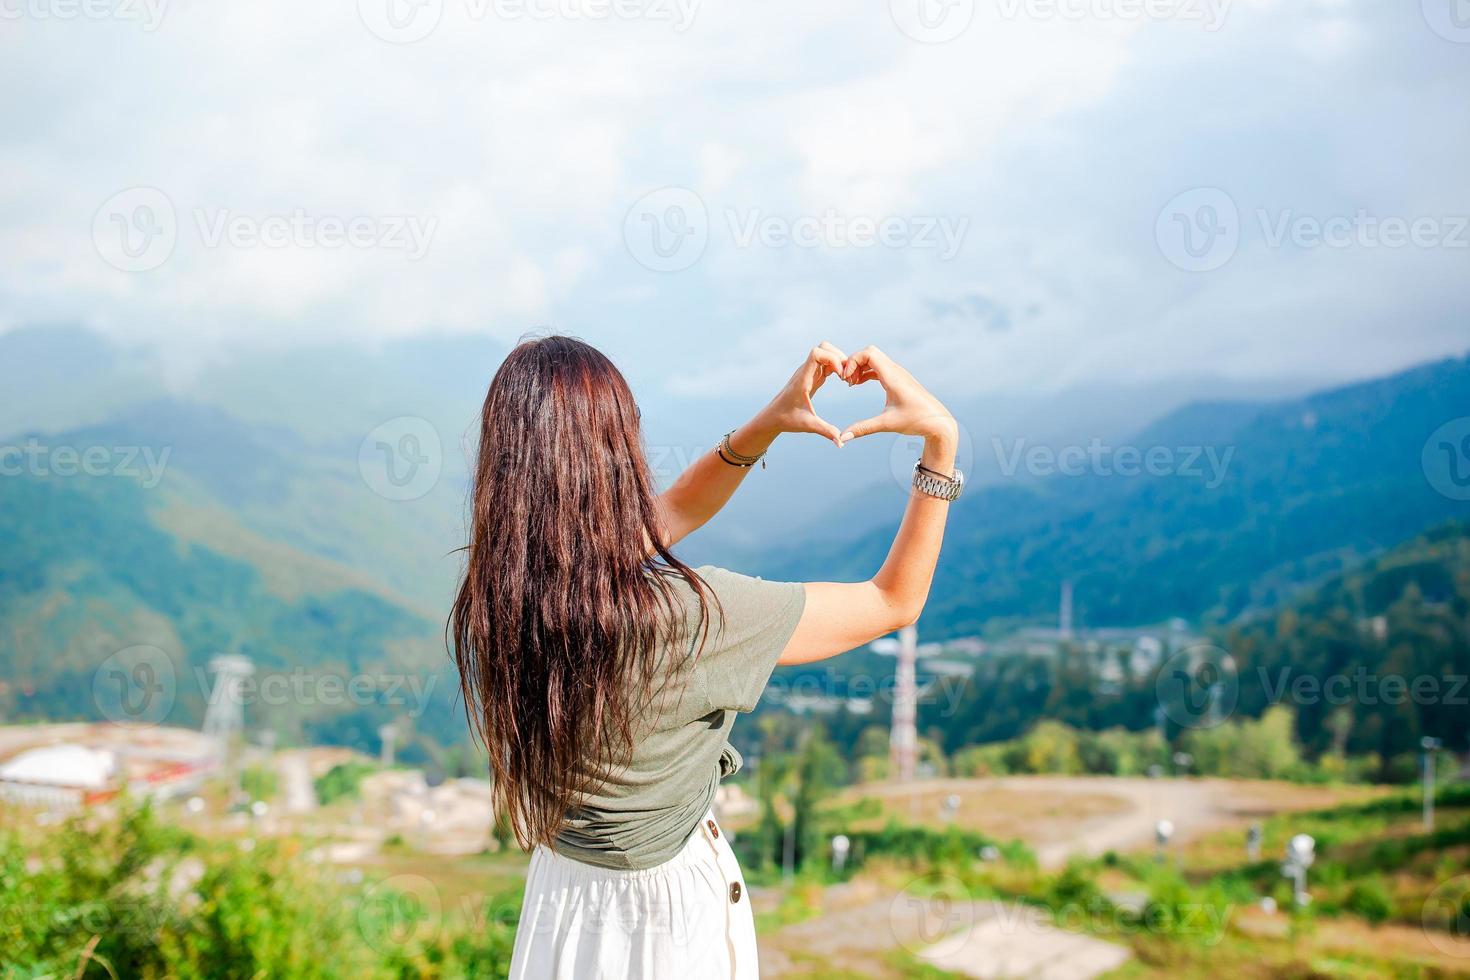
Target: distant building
{"type": "Point", "coordinates": [966, 646]}
{"type": "Point", "coordinates": [65, 767]}
{"type": "Point", "coordinates": [59, 777]}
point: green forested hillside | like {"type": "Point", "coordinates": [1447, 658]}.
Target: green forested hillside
{"type": "Point", "coordinates": [1312, 486]}
{"type": "Point", "coordinates": [1368, 663]}
{"type": "Point", "coordinates": [86, 571]}
{"type": "Point", "coordinates": [269, 543]}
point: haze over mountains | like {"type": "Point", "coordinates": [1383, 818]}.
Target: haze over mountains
{"type": "Point", "coordinates": [263, 523]}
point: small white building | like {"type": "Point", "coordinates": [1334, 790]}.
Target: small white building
{"type": "Point", "coordinates": [60, 777]}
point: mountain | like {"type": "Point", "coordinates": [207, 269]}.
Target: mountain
{"type": "Point", "coordinates": [259, 508]}
{"type": "Point", "coordinates": [298, 417]}
{"type": "Point", "coordinates": [1247, 503]}
{"type": "Point", "coordinates": [1369, 662]}
{"type": "Point", "coordinates": [1376, 658]}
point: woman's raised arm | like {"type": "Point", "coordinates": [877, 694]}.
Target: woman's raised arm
{"type": "Point", "coordinates": [842, 616]}
{"type": "Point", "coordinates": [707, 485]}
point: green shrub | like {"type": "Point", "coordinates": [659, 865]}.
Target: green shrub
{"type": "Point", "coordinates": [1370, 899]}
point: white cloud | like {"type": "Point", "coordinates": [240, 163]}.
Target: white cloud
{"type": "Point", "coordinates": [525, 141]}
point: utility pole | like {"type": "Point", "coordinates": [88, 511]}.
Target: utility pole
{"type": "Point", "coordinates": [903, 741]}
{"type": "Point", "coordinates": [386, 736]}
{"type": "Point", "coordinates": [1429, 746]}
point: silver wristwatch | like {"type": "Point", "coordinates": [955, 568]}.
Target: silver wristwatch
{"type": "Point", "coordinates": [937, 485]}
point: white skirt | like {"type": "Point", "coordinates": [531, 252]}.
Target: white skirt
{"type": "Point", "coordinates": [686, 919]}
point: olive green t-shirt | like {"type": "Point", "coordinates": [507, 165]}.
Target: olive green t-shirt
{"type": "Point", "coordinates": [643, 814]}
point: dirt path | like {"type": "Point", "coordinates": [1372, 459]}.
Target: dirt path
{"type": "Point", "coordinates": [1063, 815]}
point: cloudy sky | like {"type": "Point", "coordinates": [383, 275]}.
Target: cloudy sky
{"type": "Point", "coordinates": [1014, 193]}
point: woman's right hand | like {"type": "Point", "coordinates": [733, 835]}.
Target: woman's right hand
{"type": "Point", "coordinates": [791, 410]}
{"type": "Point", "coordinates": [909, 410]}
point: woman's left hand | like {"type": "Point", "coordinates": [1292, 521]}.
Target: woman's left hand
{"type": "Point", "coordinates": [791, 410]}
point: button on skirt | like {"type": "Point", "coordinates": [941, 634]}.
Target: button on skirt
{"type": "Point", "coordinates": [686, 919]}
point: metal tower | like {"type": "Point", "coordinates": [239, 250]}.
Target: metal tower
{"type": "Point", "coordinates": [387, 735]}
{"type": "Point", "coordinates": [1064, 625]}
{"type": "Point", "coordinates": [224, 718]}
{"type": "Point", "coordinates": [903, 742]}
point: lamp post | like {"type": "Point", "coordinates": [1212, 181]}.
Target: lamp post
{"type": "Point", "coordinates": [1163, 830]}
{"type": "Point", "coordinates": [1429, 747]}
{"type": "Point", "coordinates": [840, 847]}
{"type": "Point", "coordinates": [1301, 851]}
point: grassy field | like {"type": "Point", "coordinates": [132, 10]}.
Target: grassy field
{"type": "Point", "coordinates": [1389, 899]}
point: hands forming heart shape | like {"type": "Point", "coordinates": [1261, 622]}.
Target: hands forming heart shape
{"type": "Point", "coordinates": [909, 409]}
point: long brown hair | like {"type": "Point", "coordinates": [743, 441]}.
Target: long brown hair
{"type": "Point", "coordinates": [568, 595]}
